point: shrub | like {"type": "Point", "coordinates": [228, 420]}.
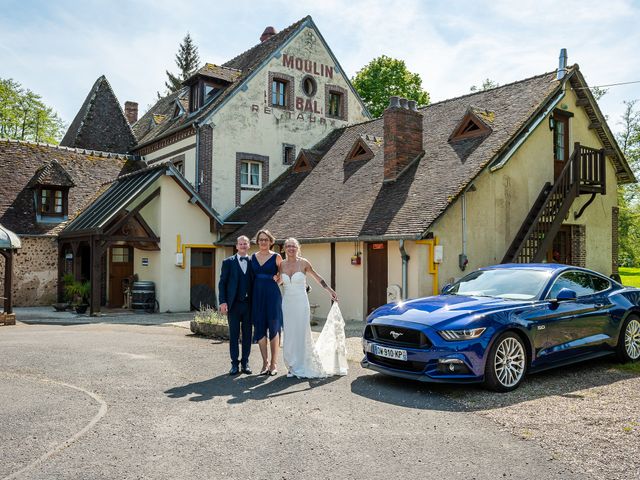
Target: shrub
{"type": "Point", "coordinates": [209, 315]}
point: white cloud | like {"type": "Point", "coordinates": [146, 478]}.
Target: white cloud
{"type": "Point", "coordinates": [58, 49]}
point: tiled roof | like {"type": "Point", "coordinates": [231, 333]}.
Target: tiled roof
{"type": "Point", "coordinates": [52, 173]}
{"type": "Point", "coordinates": [244, 64]}
{"type": "Point", "coordinates": [100, 124]}
{"type": "Point", "coordinates": [347, 200]}
{"type": "Point", "coordinates": [21, 162]}
{"type": "Point", "coordinates": [218, 72]}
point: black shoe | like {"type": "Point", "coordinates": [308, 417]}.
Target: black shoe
{"type": "Point", "coordinates": [234, 370]}
{"type": "Point", "coordinates": [246, 370]}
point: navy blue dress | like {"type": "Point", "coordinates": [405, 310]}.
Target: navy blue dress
{"type": "Point", "coordinates": [266, 300]}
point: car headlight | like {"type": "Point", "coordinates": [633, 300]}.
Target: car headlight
{"type": "Point", "coordinates": [453, 335]}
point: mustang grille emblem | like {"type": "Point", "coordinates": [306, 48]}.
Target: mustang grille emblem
{"type": "Point", "coordinates": [395, 335]}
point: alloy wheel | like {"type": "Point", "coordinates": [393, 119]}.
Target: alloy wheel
{"type": "Point", "coordinates": [632, 339]}
{"type": "Point", "coordinates": [509, 362]}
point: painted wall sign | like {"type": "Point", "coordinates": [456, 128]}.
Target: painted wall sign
{"type": "Point", "coordinates": [307, 66]}
{"type": "Point", "coordinates": [255, 108]}
{"type": "Point", "coordinates": [377, 246]}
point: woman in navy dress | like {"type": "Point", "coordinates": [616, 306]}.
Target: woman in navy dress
{"type": "Point", "coordinates": [266, 301]}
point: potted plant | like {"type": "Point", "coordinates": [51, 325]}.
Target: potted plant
{"type": "Point", "coordinates": [67, 279]}
{"type": "Point", "coordinates": [79, 292]}
{"type": "Point", "coordinates": [210, 323]}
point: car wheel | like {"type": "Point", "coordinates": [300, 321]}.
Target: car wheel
{"type": "Point", "coordinates": [629, 340]}
{"type": "Point", "coordinates": [506, 363]}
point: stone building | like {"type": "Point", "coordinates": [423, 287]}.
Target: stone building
{"type": "Point", "coordinates": [43, 186]}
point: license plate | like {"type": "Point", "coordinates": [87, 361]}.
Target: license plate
{"type": "Point", "coordinates": [387, 352]}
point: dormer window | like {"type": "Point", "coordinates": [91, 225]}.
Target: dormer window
{"type": "Point", "coordinates": [51, 184]}
{"type": "Point", "coordinates": [52, 202]}
{"type": "Point", "coordinates": [359, 151]}
{"type": "Point", "coordinates": [195, 97]}
{"type": "Point", "coordinates": [474, 123]}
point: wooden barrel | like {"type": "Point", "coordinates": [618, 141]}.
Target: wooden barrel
{"type": "Point", "coordinates": [143, 296]}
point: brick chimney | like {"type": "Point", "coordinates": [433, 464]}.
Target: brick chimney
{"type": "Point", "coordinates": [402, 136]}
{"type": "Point", "coordinates": [131, 112]}
{"type": "Point", "coordinates": [267, 34]}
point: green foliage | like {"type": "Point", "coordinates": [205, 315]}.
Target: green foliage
{"type": "Point", "coordinates": [630, 276]}
{"type": "Point", "coordinates": [187, 60]}
{"type": "Point", "coordinates": [79, 292]}
{"type": "Point", "coordinates": [24, 116]}
{"type": "Point", "coordinates": [487, 84]}
{"type": "Point", "coordinates": [598, 92]}
{"type": "Point", "coordinates": [629, 195]}
{"type": "Point", "coordinates": [384, 77]}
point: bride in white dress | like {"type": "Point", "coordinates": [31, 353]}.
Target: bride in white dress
{"type": "Point", "coordinates": [303, 358]}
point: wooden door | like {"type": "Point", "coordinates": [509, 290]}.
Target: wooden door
{"type": "Point", "coordinates": [120, 269]}
{"type": "Point", "coordinates": [560, 251]}
{"type": "Point", "coordinates": [376, 275]}
{"type": "Point", "coordinates": [560, 144]}
{"type": "Point", "coordinates": [203, 291]}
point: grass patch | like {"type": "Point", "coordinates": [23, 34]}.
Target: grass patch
{"type": "Point", "coordinates": [629, 367]}
{"type": "Point", "coordinates": [630, 276]}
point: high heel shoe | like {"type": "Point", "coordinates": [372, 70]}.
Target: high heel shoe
{"type": "Point", "coordinates": [265, 371]}
{"type": "Point", "coordinates": [273, 372]}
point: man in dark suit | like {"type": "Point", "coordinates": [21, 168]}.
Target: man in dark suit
{"type": "Point", "coordinates": [234, 291]}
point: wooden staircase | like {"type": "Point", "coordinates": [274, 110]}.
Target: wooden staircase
{"type": "Point", "coordinates": [584, 173]}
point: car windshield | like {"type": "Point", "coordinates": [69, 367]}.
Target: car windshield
{"type": "Point", "coordinates": [508, 283]}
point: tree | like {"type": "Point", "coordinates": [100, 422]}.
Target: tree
{"type": "Point", "coordinates": [384, 77]}
{"type": "Point", "coordinates": [187, 60]}
{"type": "Point", "coordinates": [24, 116]}
{"type": "Point", "coordinates": [486, 85]}
{"type": "Point", "coordinates": [629, 195]}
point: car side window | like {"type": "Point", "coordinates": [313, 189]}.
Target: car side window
{"type": "Point", "coordinates": [579, 282]}
{"type": "Point", "coordinates": [599, 283]}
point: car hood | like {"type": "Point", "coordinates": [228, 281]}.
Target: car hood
{"type": "Point", "coordinates": [444, 311]}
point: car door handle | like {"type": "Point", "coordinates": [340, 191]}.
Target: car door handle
{"type": "Point", "coordinates": [600, 305]}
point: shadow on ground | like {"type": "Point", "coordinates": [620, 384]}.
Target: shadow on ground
{"type": "Point", "coordinates": [243, 388]}
{"type": "Point", "coordinates": [567, 382]}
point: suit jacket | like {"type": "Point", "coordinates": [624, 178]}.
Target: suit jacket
{"type": "Point", "coordinates": [230, 274]}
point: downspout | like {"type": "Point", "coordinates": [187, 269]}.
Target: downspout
{"type": "Point", "coordinates": [197, 175]}
{"type": "Point", "coordinates": [462, 259]}
{"type": "Point", "coordinates": [405, 260]}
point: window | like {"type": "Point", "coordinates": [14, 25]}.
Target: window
{"type": "Point", "coordinates": [560, 138]}
{"type": "Point", "coordinates": [279, 93]}
{"type": "Point", "coordinates": [579, 282]}
{"type": "Point", "coordinates": [599, 283]}
{"type": "Point", "coordinates": [335, 104]}
{"type": "Point", "coordinates": [210, 91]}
{"type": "Point", "coordinates": [250, 174]}
{"type": "Point", "coordinates": [195, 99]}
{"type": "Point", "coordinates": [201, 258]}
{"type": "Point", "coordinates": [120, 254]}
{"type": "Point", "coordinates": [178, 162]}
{"type": "Point", "coordinates": [288, 154]}
{"type": "Point", "coordinates": [52, 202]}
{"type": "Point", "coordinates": [309, 86]}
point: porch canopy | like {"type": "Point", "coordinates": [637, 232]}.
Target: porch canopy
{"type": "Point", "coordinates": [108, 220]}
{"type": "Point", "coordinates": [114, 218]}
{"type": "Point", "coordinates": [9, 244]}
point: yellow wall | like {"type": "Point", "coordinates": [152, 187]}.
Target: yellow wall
{"type": "Point", "coordinates": [503, 198]}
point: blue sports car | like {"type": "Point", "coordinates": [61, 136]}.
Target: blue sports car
{"type": "Point", "coordinates": [498, 323]}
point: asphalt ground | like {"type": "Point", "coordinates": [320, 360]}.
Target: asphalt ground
{"type": "Point", "coordinates": [120, 401]}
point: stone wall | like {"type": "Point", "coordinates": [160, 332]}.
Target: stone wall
{"type": "Point", "coordinates": [35, 272]}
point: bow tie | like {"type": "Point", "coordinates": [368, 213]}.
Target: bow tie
{"type": "Point", "coordinates": [242, 259]}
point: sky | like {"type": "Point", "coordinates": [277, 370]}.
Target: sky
{"type": "Point", "coordinates": [59, 48]}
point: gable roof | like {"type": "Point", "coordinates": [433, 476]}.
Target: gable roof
{"type": "Point", "coordinates": [244, 64]}
{"type": "Point", "coordinates": [21, 162]}
{"type": "Point", "coordinates": [100, 124]}
{"type": "Point", "coordinates": [53, 174]}
{"type": "Point", "coordinates": [343, 201]}
{"type": "Point", "coordinates": [122, 191]}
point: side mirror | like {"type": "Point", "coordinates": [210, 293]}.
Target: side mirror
{"type": "Point", "coordinates": [446, 288]}
{"type": "Point", "coordinates": [566, 294]}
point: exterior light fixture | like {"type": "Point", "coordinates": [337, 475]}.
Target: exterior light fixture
{"type": "Point", "coordinates": [552, 123]}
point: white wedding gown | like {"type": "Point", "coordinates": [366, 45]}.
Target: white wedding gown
{"type": "Point", "coordinates": [303, 358]}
